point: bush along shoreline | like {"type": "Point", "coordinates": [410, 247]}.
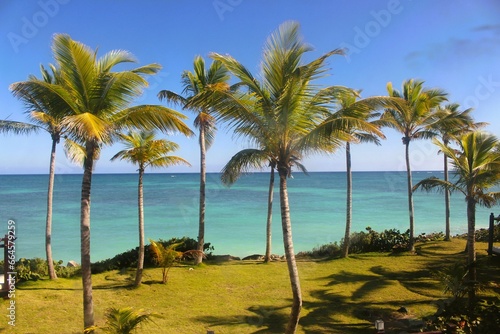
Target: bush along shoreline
{"type": "Point", "coordinates": [391, 240]}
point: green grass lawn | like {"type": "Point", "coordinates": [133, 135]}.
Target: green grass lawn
{"type": "Point", "coordinates": [340, 296]}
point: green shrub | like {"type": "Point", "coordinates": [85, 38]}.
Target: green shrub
{"type": "Point", "coordinates": [66, 272]}
{"type": "Point", "coordinates": [31, 269]}
{"type": "Point", "coordinates": [373, 241]}
{"type": "Point", "coordinates": [36, 268]}
{"type": "Point", "coordinates": [331, 250]}
{"type": "Point", "coordinates": [483, 234]}
{"type": "Point", "coordinates": [363, 242]}
{"type": "Point", "coordinates": [483, 319]}
{"type": "Point", "coordinates": [129, 258]}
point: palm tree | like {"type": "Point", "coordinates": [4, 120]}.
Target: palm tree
{"type": "Point", "coordinates": [166, 256]}
{"type": "Point", "coordinates": [414, 119]}
{"type": "Point", "coordinates": [476, 165]}
{"type": "Point", "coordinates": [452, 123]}
{"type": "Point", "coordinates": [42, 116]}
{"type": "Point", "coordinates": [196, 83]}
{"type": "Point", "coordinates": [284, 107]}
{"type": "Point", "coordinates": [143, 149]}
{"type": "Point", "coordinates": [124, 320]}
{"type": "Point", "coordinates": [96, 103]}
{"type": "Point", "coordinates": [357, 118]}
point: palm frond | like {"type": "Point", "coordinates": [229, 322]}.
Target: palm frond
{"type": "Point", "coordinates": [172, 97]}
{"type": "Point", "coordinates": [88, 127]}
{"type": "Point", "coordinates": [74, 152]}
{"type": "Point", "coordinates": [435, 184]}
{"type": "Point", "coordinates": [243, 162]}
{"type": "Point", "coordinates": [18, 128]}
{"type": "Point", "coordinates": [76, 61]}
{"type": "Point", "coordinates": [152, 117]}
{"type": "Point", "coordinates": [113, 58]}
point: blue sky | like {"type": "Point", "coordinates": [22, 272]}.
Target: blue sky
{"type": "Point", "coordinates": [453, 45]}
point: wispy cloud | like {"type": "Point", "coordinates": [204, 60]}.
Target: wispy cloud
{"type": "Point", "coordinates": [482, 41]}
{"type": "Point", "coordinates": [495, 28]}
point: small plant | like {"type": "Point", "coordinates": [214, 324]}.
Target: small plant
{"type": "Point", "coordinates": [123, 320]}
{"type": "Point", "coordinates": [453, 279]}
{"type": "Point", "coordinates": [166, 256]}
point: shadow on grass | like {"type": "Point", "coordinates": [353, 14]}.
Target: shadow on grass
{"type": "Point", "coordinates": [328, 310]}
{"type": "Point", "coordinates": [265, 319]}
{"type": "Point", "coordinates": [327, 315]}
{"type": "Point", "coordinates": [122, 286]}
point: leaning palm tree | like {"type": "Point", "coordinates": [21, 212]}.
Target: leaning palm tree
{"type": "Point", "coordinates": [41, 116]}
{"type": "Point", "coordinates": [196, 83]}
{"type": "Point", "coordinates": [144, 150]}
{"type": "Point", "coordinates": [96, 103]}
{"type": "Point", "coordinates": [284, 106]}
{"type": "Point", "coordinates": [414, 119]}
{"type": "Point", "coordinates": [476, 166]}
{"type": "Point", "coordinates": [452, 123]}
{"type": "Point", "coordinates": [357, 117]}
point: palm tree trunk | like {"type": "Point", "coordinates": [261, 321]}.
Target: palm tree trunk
{"type": "Point", "coordinates": [88, 304]}
{"type": "Point", "coordinates": [348, 216]}
{"type": "Point", "coordinates": [267, 257]}
{"type": "Point", "coordinates": [446, 201]}
{"type": "Point", "coordinates": [140, 260]}
{"type": "Point", "coordinates": [411, 246]}
{"type": "Point", "coordinates": [48, 224]}
{"type": "Point", "coordinates": [290, 255]}
{"type": "Point", "coordinates": [471, 249]}
{"type": "Point", "coordinates": [203, 181]}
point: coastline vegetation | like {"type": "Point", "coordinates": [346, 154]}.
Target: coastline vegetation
{"type": "Point", "coordinates": [344, 295]}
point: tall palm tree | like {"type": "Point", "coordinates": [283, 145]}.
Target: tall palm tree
{"type": "Point", "coordinates": [41, 116]}
{"type": "Point", "coordinates": [452, 123]}
{"type": "Point", "coordinates": [196, 83]}
{"type": "Point", "coordinates": [143, 149]}
{"type": "Point", "coordinates": [357, 117]}
{"type": "Point", "coordinates": [414, 119]}
{"type": "Point", "coordinates": [96, 103]}
{"type": "Point", "coordinates": [284, 106]}
{"type": "Point", "coordinates": [476, 165]}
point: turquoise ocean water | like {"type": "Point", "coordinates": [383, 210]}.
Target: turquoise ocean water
{"type": "Point", "coordinates": [235, 217]}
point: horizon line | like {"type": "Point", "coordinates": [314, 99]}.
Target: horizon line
{"type": "Point", "coordinates": [243, 174]}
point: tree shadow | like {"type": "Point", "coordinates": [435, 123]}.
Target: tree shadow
{"type": "Point", "coordinates": [266, 319]}
{"type": "Point", "coordinates": [329, 308]}
{"type": "Point", "coordinates": [115, 286]}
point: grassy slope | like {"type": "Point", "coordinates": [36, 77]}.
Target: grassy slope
{"type": "Point", "coordinates": [340, 296]}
